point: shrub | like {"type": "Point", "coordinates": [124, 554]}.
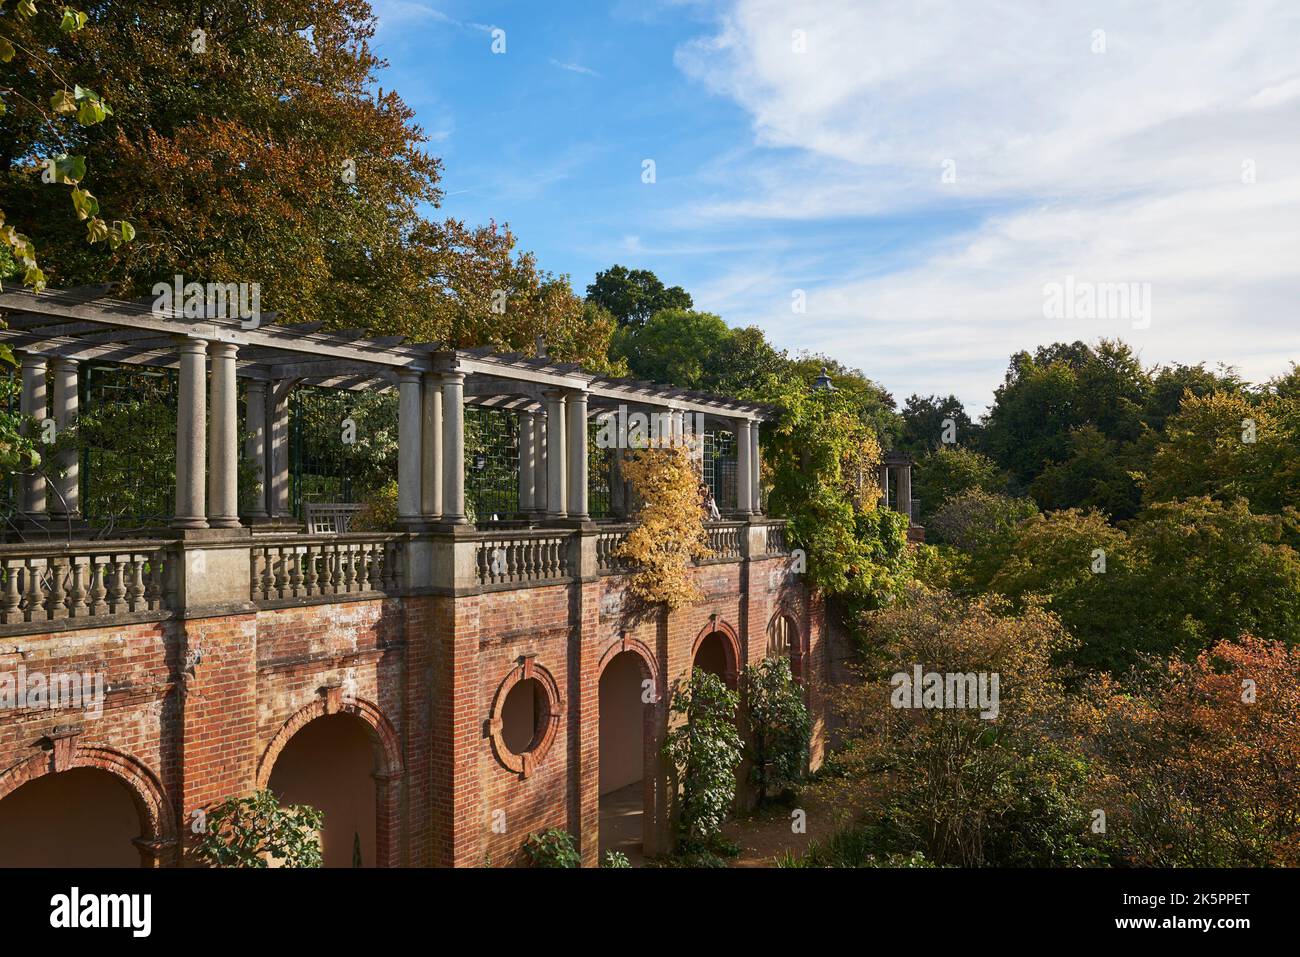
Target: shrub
{"type": "Point", "coordinates": [779, 726]}
{"type": "Point", "coordinates": [253, 831]}
{"type": "Point", "coordinates": [553, 847]}
{"type": "Point", "coordinates": [615, 859]}
{"type": "Point", "coordinates": [703, 752]}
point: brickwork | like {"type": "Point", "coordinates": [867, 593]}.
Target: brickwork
{"type": "Point", "coordinates": [198, 710]}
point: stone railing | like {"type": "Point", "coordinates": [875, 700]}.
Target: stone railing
{"type": "Point", "coordinates": [322, 566]}
{"type": "Point", "coordinates": [774, 538]}
{"type": "Point", "coordinates": [84, 580]}
{"type": "Point", "coordinates": [522, 557]}
{"type": "Point", "coordinates": [726, 541]}
{"type": "Point", "coordinates": [608, 540]}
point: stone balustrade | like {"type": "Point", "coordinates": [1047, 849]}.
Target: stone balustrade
{"type": "Point", "coordinates": [301, 566]}
{"type": "Point", "coordinates": [86, 580]}
{"type": "Point", "coordinates": [55, 587]}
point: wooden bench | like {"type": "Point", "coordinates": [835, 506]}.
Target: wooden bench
{"type": "Point", "coordinates": [329, 518]}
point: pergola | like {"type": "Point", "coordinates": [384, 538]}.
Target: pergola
{"type": "Point", "coordinates": [59, 330]}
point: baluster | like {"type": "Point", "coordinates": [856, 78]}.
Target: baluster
{"type": "Point", "coordinates": [116, 584]}
{"type": "Point", "coordinates": [309, 555]}
{"type": "Point", "coordinates": [266, 580]}
{"type": "Point", "coordinates": [135, 589]}
{"type": "Point", "coordinates": [295, 572]}
{"type": "Point", "coordinates": [34, 605]}
{"type": "Point", "coordinates": [153, 588]}
{"type": "Point", "coordinates": [76, 600]}
{"type": "Point", "coordinates": [280, 578]}
{"type": "Point", "coordinates": [392, 566]}
{"type": "Point", "coordinates": [349, 572]}
{"type": "Point", "coordinates": [10, 612]}
{"type": "Point", "coordinates": [55, 602]}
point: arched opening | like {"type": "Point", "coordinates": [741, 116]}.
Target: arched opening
{"type": "Point", "coordinates": [714, 654]}
{"type": "Point", "coordinates": [783, 641]}
{"type": "Point", "coordinates": [330, 765]}
{"type": "Point", "coordinates": [623, 745]}
{"type": "Point", "coordinates": [81, 817]}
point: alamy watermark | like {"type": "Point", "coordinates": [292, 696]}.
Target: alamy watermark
{"type": "Point", "coordinates": [1081, 299]}
{"type": "Point", "coordinates": [949, 690]}
{"type": "Point", "coordinates": [59, 690]}
{"type": "Point", "coordinates": [213, 300]}
{"type": "Point", "coordinates": [619, 429]}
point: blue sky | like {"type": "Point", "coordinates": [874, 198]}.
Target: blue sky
{"type": "Point", "coordinates": [919, 171]}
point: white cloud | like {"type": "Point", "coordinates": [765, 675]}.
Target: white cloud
{"type": "Point", "coordinates": [1115, 166]}
{"type": "Point", "coordinates": [574, 68]}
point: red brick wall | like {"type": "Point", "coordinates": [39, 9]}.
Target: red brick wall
{"type": "Point", "coordinates": [197, 704]}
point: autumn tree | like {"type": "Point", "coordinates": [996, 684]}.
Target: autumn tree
{"type": "Point", "coordinates": [1203, 770]}
{"type": "Point", "coordinates": [669, 534]}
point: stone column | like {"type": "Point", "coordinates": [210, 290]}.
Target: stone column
{"type": "Point", "coordinates": [756, 470]}
{"type": "Point", "coordinates": [453, 448]}
{"type": "Point", "coordinates": [884, 486]}
{"type": "Point", "coordinates": [678, 427]}
{"type": "Point", "coordinates": [223, 439]}
{"type": "Point", "coordinates": [67, 503]}
{"type": "Point", "coordinates": [541, 495]}
{"type": "Point", "coordinates": [556, 456]}
{"type": "Point", "coordinates": [32, 404]}
{"type": "Point", "coordinates": [905, 490]}
{"type": "Point", "coordinates": [431, 450]}
{"type": "Point", "coordinates": [410, 415]}
{"type": "Point", "coordinates": [278, 455]}
{"type": "Point", "coordinates": [617, 484]}
{"type": "Point", "coordinates": [577, 442]}
{"type": "Point", "coordinates": [527, 462]}
{"type": "Point", "coordinates": [191, 435]}
{"type": "Point", "coordinates": [744, 468]}
{"type": "Point", "coordinates": [255, 445]}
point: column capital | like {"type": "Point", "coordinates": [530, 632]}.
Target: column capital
{"type": "Point", "coordinates": [407, 374]}
{"type": "Point", "coordinates": [191, 345]}
{"type": "Point", "coordinates": [256, 386]}
{"type": "Point", "coordinates": [222, 350]}
{"type": "Point", "coordinates": [65, 363]}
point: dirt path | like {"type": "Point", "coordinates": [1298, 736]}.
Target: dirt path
{"type": "Point", "coordinates": [769, 832]}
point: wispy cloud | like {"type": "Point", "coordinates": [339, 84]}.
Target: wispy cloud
{"type": "Point", "coordinates": [1157, 143]}
{"type": "Point", "coordinates": [573, 68]}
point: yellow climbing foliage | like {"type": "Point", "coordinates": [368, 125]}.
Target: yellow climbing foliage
{"type": "Point", "coordinates": [670, 531]}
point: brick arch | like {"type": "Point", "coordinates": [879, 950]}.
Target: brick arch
{"type": "Point", "coordinates": [649, 666]}
{"type": "Point", "coordinates": [387, 775]}
{"type": "Point", "coordinates": [799, 645]}
{"type": "Point", "coordinates": [730, 641]}
{"type": "Point", "coordinates": [390, 751]}
{"type": "Point", "coordinates": [156, 816]}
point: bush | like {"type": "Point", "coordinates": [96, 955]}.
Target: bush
{"type": "Point", "coordinates": [703, 751]}
{"type": "Point", "coordinates": [779, 726]}
{"type": "Point", "coordinates": [615, 860]}
{"type": "Point", "coordinates": [553, 847]}
{"type": "Point", "coordinates": [253, 831]}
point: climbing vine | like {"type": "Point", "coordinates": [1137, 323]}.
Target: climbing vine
{"type": "Point", "coordinates": [670, 533]}
{"type": "Point", "coordinates": [779, 726]}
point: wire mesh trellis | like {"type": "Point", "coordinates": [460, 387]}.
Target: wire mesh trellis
{"type": "Point", "coordinates": [599, 474]}
{"type": "Point", "coordinates": [491, 465]}
{"type": "Point", "coordinates": [127, 433]}
{"type": "Point", "coordinates": [343, 445]}
{"type": "Point", "coordinates": [720, 467]}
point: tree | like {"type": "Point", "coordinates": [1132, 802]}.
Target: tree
{"type": "Point", "coordinates": [926, 422]}
{"type": "Point", "coordinates": [983, 525]}
{"type": "Point", "coordinates": [697, 350]}
{"type": "Point", "coordinates": [780, 726]}
{"type": "Point", "coordinates": [823, 456]}
{"type": "Point", "coordinates": [632, 296]}
{"type": "Point", "coordinates": [1098, 473]}
{"type": "Point", "coordinates": [254, 831]}
{"type": "Point", "coordinates": [669, 533]}
{"type": "Point", "coordinates": [1203, 770]}
{"type": "Point", "coordinates": [33, 81]}
{"type": "Point", "coordinates": [951, 470]}
{"type": "Point", "coordinates": [257, 146]}
{"type": "Point", "coordinates": [703, 749]}
{"type": "Point", "coordinates": [963, 785]}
